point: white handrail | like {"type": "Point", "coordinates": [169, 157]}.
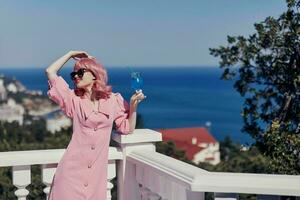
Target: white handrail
{"type": "Point", "coordinates": [179, 171]}
{"type": "Point", "coordinates": [198, 180]}
{"type": "Point", "coordinates": [35, 157]}
{"type": "Point", "coordinates": [21, 162]}
{"type": "Point", "coordinates": [267, 184]}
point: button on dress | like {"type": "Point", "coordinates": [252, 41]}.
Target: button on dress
{"type": "Point", "coordinates": [81, 174]}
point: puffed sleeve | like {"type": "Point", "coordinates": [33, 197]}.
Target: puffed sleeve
{"type": "Point", "coordinates": [121, 114]}
{"type": "Point", "coordinates": [61, 94]}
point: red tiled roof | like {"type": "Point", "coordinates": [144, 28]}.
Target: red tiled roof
{"type": "Point", "coordinates": [186, 135]}
{"type": "Point", "coordinates": [190, 150]}
{"type": "Point", "coordinates": [182, 137]}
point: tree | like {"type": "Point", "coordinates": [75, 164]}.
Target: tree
{"type": "Point", "coordinates": [266, 69]}
{"type": "Point", "coordinates": [15, 137]}
{"type": "Point", "coordinates": [236, 159]}
{"type": "Point", "coordinates": [169, 148]}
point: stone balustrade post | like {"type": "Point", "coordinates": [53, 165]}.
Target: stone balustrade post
{"type": "Point", "coordinates": [48, 171]}
{"type": "Point", "coordinates": [21, 179]}
{"type": "Point", "coordinates": [140, 139]}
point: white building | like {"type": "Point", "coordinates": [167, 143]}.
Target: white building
{"type": "Point", "coordinates": [12, 112]}
{"type": "Point", "coordinates": [12, 88]}
{"type": "Point", "coordinates": [3, 92]}
{"type": "Point", "coordinates": [210, 153]}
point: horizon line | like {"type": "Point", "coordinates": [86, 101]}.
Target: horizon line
{"type": "Point", "coordinates": [118, 66]}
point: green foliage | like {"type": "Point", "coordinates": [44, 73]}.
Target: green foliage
{"type": "Point", "coordinates": [281, 146]}
{"type": "Point", "coordinates": [233, 157]}
{"type": "Point", "coordinates": [169, 148]}
{"type": "Point", "coordinates": [139, 121]}
{"type": "Point", "coordinates": [34, 136]}
{"type": "Point", "coordinates": [236, 159]}
{"type": "Point", "coordinates": [266, 69]}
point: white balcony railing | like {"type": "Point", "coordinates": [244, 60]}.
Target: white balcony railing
{"type": "Point", "coordinates": [143, 173]}
{"type": "Point", "coordinates": [21, 162]}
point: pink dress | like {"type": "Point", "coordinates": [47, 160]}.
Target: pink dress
{"type": "Point", "coordinates": [81, 174]}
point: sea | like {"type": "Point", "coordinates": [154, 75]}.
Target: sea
{"type": "Point", "coordinates": [177, 97]}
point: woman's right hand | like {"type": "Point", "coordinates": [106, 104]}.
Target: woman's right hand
{"type": "Point", "coordinates": [79, 54]}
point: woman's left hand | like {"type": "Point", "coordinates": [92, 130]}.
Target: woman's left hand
{"type": "Point", "coordinates": [136, 98]}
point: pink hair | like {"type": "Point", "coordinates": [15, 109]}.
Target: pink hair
{"type": "Point", "coordinates": [100, 87]}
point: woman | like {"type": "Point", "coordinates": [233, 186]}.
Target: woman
{"type": "Point", "coordinates": [93, 107]}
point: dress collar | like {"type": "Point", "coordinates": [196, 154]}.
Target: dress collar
{"type": "Point", "coordinates": [103, 107]}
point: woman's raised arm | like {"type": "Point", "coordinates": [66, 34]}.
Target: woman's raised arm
{"type": "Point", "coordinates": [55, 67]}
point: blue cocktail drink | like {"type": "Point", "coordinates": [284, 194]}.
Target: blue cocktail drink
{"type": "Point", "coordinates": [136, 81]}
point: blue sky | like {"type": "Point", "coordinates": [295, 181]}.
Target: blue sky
{"type": "Point", "coordinates": [35, 33]}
